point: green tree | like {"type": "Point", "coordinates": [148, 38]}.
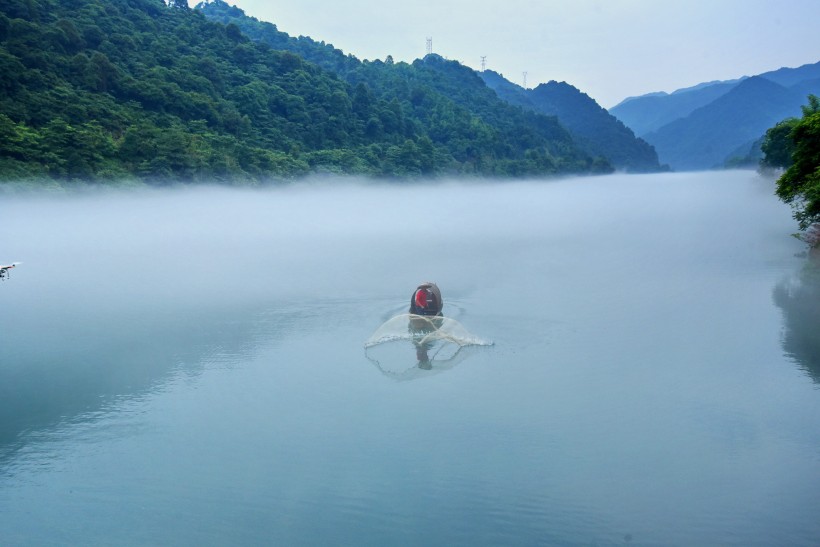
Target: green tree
{"type": "Point", "coordinates": [778, 145]}
{"type": "Point", "coordinates": [800, 184]}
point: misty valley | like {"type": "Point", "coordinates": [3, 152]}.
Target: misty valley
{"type": "Point", "coordinates": [258, 291]}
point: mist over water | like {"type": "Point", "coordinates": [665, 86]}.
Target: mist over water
{"type": "Point", "coordinates": [188, 366]}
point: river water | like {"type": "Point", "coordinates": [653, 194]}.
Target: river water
{"type": "Point", "coordinates": [638, 365]}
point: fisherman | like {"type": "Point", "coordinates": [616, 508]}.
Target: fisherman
{"type": "Point", "coordinates": [426, 300]}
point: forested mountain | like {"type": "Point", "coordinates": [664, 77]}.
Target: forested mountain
{"type": "Point", "coordinates": [598, 134]}
{"type": "Point", "coordinates": [717, 123]}
{"type": "Point", "coordinates": [593, 128]}
{"type": "Point", "coordinates": [106, 89]}
{"type": "Point", "coordinates": [430, 88]}
{"type": "Point", "coordinates": [320, 53]}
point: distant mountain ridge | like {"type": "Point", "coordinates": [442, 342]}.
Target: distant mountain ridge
{"type": "Point", "coordinates": [704, 126]}
{"type": "Point", "coordinates": [705, 138]}
{"type": "Point", "coordinates": [650, 112]}
{"type": "Point", "coordinates": [789, 77]}
{"type": "Point", "coordinates": [592, 127]}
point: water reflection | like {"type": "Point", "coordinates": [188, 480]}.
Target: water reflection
{"type": "Point", "coordinates": [420, 327]}
{"type": "Point", "coordinates": [799, 298]}
{"type": "Point", "coordinates": [403, 369]}
{"type": "Point", "coordinates": [408, 346]}
{"type": "Point", "coordinates": [86, 368]}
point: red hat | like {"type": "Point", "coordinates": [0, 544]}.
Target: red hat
{"type": "Point", "coordinates": [421, 298]}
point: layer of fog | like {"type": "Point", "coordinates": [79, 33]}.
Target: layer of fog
{"type": "Point", "coordinates": [147, 253]}
{"type": "Point", "coordinates": [221, 245]}
{"type": "Point", "coordinates": [108, 278]}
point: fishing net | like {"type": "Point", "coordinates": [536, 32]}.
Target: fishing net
{"type": "Point", "coordinates": [410, 346]}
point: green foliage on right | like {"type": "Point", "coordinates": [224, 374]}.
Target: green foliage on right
{"type": "Point", "coordinates": [800, 184]}
{"type": "Point", "coordinates": [778, 146]}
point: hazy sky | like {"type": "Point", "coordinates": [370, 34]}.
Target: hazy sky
{"type": "Point", "coordinates": [609, 49]}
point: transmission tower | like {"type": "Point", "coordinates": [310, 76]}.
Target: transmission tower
{"type": "Point", "coordinates": [483, 63]}
{"type": "Point", "coordinates": [525, 80]}
{"type": "Point", "coordinates": [429, 46]}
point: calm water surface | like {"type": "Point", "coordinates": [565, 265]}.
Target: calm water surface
{"type": "Point", "coordinates": [188, 367]}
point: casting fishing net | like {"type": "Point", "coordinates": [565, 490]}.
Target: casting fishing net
{"type": "Point", "coordinates": [410, 346]}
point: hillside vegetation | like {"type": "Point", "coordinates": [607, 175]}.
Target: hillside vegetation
{"type": "Point", "coordinates": [594, 131]}
{"type": "Point", "coordinates": [794, 145]}
{"type": "Point", "coordinates": [597, 131]}
{"type": "Point", "coordinates": [105, 90]}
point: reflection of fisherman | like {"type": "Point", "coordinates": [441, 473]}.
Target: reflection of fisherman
{"type": "Point", "coordinates": [425, 306]}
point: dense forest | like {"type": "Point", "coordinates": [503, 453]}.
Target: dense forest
{"type": "Point", "coordinates": [450, 100]}
{"type": "Point", "coordinates": [794, 145]}
{"type": "Point", "coordinates": [137, 89]}
{"type": "Point", "coordinates": [594, 129]}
